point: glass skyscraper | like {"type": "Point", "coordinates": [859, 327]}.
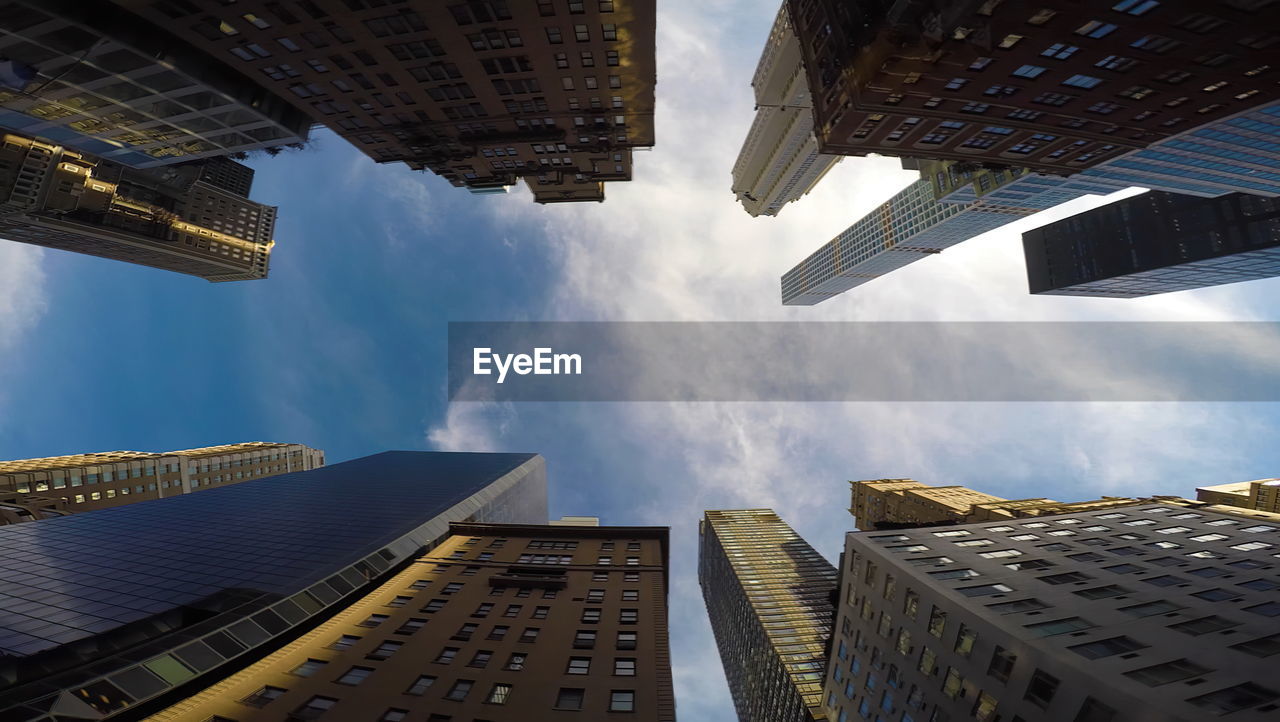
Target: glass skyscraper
{"type": "Point", "coordinates": [1156, 243]}
{"type": "Point", "coordinates": [769, 597]}
{"type": "Point", "coordinates": [108, 610]}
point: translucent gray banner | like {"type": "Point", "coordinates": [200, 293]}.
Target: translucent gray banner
{"type": "Point", "coordinates": [597, 361]}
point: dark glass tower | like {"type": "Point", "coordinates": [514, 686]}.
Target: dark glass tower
{"type": "Point", "coordinates": [107, 610]}
{"type": "Point", "coordinates": [768, 595]}
{"type": "Point", "coordinates": [1156, 243]}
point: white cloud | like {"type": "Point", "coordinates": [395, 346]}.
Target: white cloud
{"type": "Point", "coordinates": [22, 293]}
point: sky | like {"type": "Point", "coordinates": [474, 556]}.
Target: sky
{"type": "Point", "coordinates": [343, 347]}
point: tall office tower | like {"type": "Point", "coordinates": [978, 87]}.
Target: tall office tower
{"type": "Point", "coordinates": [1261, 495]}
{"type": "Point", "coordinates": [904, 503]}
{"type": "Point", "coordinates": [949, 204]}
{"type": "Point", "coordinates": [481, 93]}
{"type": "Point", "coordinates": [1057, 87]}
{"type": "Point", "coordinates": [500, 622]}
{"type": "Point", "coordinates": [107, 612]}
{"type": "Point", "coordinates": [768, 595]}
{"type": "Point", "coordinates": [779, 161]}
{"type": "Point", "coordinates": [81, 74]}
{"type": "Point", "coordinates": [188, 218]}
{"type": "Point", "coordinates": [1155, 243]}
{"type": "Point", "coordinates": [1150, 613]}
{"type": "Point", "coordinates": [33, 489]}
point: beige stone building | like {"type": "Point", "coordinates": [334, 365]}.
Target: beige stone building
{"type": "Point", "coordinates": [1259, 495]}
{"type": "Point", "coordinates": [34, 489]}
{"type": "Point", "coordinates": [500, 622]}
{"type": "Point", "coordinates": [191, 218]}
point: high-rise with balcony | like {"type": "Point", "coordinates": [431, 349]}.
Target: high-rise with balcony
{"type": "Point", "coordinates": [779, 161]}
{"type": "Point", "coordinates": [1153, 612]}
{"type": "Point", "coordinates": [34, 489]}
{"type": "Point", "coordinates": [83, 75]}
{"type": "Point", "coordinates": [1058, 87]}
{"type": "Point", "coordinates": [191, 218]}
{"type": "Point", "coordinates": [769, 598]}
{"type": "Point", "coordinates": [481, 92]}
{"type": "Point", "coordinates": [1156, 243]}
{"type": "Point", "coordinates": [499, 622]}
{"type": "Point", "coordinates": [122, 611]}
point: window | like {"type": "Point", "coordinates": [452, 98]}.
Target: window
{"type": "Point", "coordinates": [513, 610]}
{"type": "Point", "coordinates": [1002, 661]}
{"type": "Point", "coordinates": [355, 675]}
{"type": "Point", "coordinates": [446, 655]}
{"type": "Point", "coordinates": [570, 698]}
{"type": "Point", "coordinates": [1203, 625]}
{"type": "Point", "coordinates": [624, 666]}
{"type": "Point", "coordinates": [344, 642]}
{"type": "Point", "coordinates": [1059, 51]}
{"type": "Point", "coordinates": [313, 708]}
{"type": "Point", "coordinates": [984, 589]}
{"type": "Point", "coordinates": [1082, 81]}
{"type": "Point", "coordinates": [1058, 626]}
{"type": "Point", "coordinates": [530, 634]}
{"type": "Point", "coordinates": [937, 622]}
{"type": "Point", "coordinates": [1263, 647]}
{"type": "Point", "coordinates": [1234, 699]}
{"type": "Point", "coordinates": [460, 689]}
{"type": "Point", "coordinates": [1029, 71]}
{"type": "Point", "coordinates": [263, 696]}
{"type": "Point", "coordinates": [499, 632]}
{"type": "Point", "coordinates": [516, 661]}
{"type": "Point", "coordinates": [1159, 674]}
{"type": "Point", "coordinates": [384, 650]}
{"type": "Point", "coordinates": [420, 685]}
{"type": "Point", "coordinates": [1095, 29]}
{"type": "Point", "coordinates": [1107, 647]}
{"type": "Point", "coordinates": [1216, 595]}
{"type": "Point", "coordinates": [626, 640]}
{"type": "Point", "coordinates": [499, 693]}
{"type": "Point", "coordinates": [374, 620]}
{"type": "Point", "coordinates": [579, 665]}
{"type": "Point", "coordinates": [308, 668]}
{"type": "Point", "coordinates": [394, 715]}
{"type": "Point", "coordinates": [1094, 711]}
{"type": "Point", "coordinates": [622, 700]}
{"type": "Point", "coordinates": [1041, 688]}
{"type": "Point", "coordinates": [1266, 609]}
{"type": "Point", "coordinates": [964, 641]}
{"type": "Point", "coordinates": [1150, 609]}
{"type": "Point", "coordinates": [480, 659]}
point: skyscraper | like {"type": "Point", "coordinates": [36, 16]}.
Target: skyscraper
{"type": "Point", "coordinates": [1155, 243]}
{"type": "Point", "coordinates": [1056, 87]}
{"type": "Point", "coordinates": [769, 597]}
{"type": "Point", "coordinates": [903, 503]}
{"type": "Point", "coordinates": [1260, 495]}
{"type": "Point", "coordinates": [482, 93]}
{"type": "Point", "coordinates": [189, 218]}
{"type": "Point", "coordinates": [498, 622]}
{"type": "Point", "coordinates": [949, 204]}
{"type": "Point", "coordinates": [83, 75]}
{"type": "Point", "coordinates": [107, 611]}
{"type": "Point", "coordinates": [33, 489]}
{"type": "Point", "coordinates": [1154, 612]}
{"type": "Point", "coordinates": [779, 161]}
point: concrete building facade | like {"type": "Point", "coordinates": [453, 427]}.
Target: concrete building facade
{"type": "Point", "coordinates": [1150, 613]}
{"type": "Point", "coordinates": [1154, 243]}
{"type": "Point", "coordinates": [176, 218]}
{"type": "Point", "coordinates": [120, 612]}
{"type": "Point", "coordinates": [779, 161]}
{"type": "Point", "coordinates": [481, 93]}
{"type": "Point", "coordinates": [34, 489]}
{"type": "Point", "coordinates": [500, 622]}
{"type": "Point", "coordinates": [93, 79]}
{"type": "Point", "coordinates": [768, 595]}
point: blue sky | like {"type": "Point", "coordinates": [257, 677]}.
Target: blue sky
{"type": "Point", "coordinates": [343, 347]}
